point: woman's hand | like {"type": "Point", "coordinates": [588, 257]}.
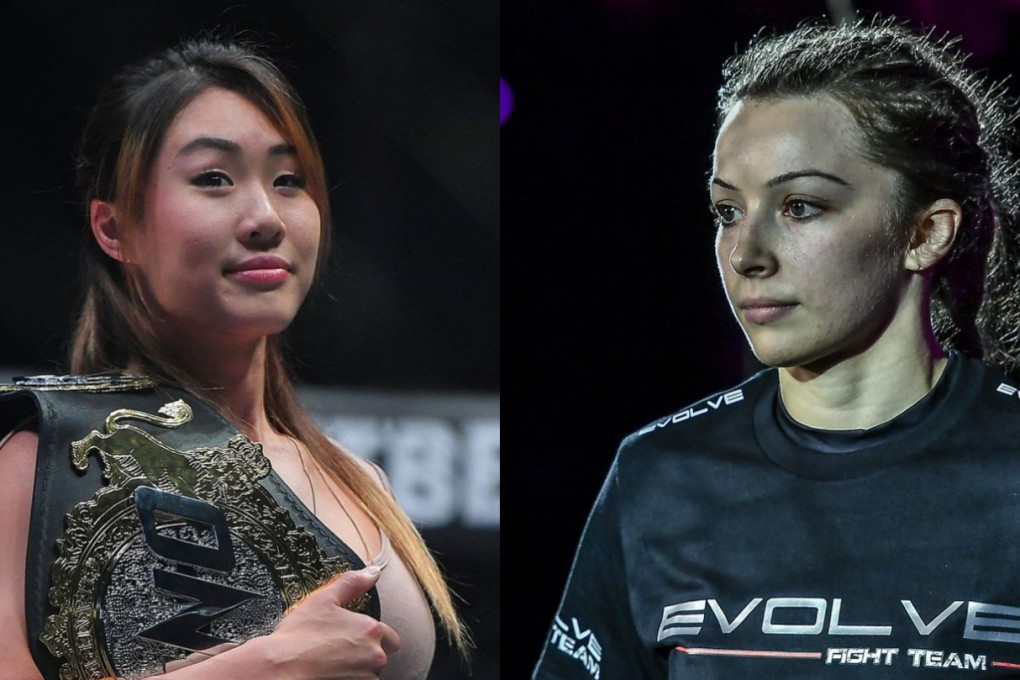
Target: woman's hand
{"type": "Point", "coordinates": [318, 639]}
{"type": "Point", "coordinates": [321, 640]}
{"type": "Point", "coordinates": [197, 657]}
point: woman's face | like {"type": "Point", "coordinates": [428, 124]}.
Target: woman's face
{"type": "Point", "coordinates": [227, 246]}
{"type": "Point", "coordinates": [813, 268]}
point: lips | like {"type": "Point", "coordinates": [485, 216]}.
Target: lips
{"type": "Point", "coordinates": [259, 262]}
{"type": "Point", "coordinates": [262, 272]}
{"type": "Point", "coordinates": [765, 310]}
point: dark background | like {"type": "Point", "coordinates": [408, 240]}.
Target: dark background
{"type": "Point", "coordinates": [617, 313]}
{"type": "Point", "coordinates": [402, 97]}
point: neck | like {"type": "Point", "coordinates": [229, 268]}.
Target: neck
{"type": "Point", "coordinates": [233, 379]}
{"type": "Point", "coordinates": [868, 388]}
{"type": "Point", "coordinates": [850, 396]}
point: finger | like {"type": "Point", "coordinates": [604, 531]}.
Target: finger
{"type": "Point", "coordinates": [342, 588]}
{"type": "Point", "coordinates": [352, 585]}
{"type": "Point", "coordinates": [390, 641]}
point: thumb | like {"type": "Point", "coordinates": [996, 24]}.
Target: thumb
{"type": "Point", "coordinates": [352, 585]}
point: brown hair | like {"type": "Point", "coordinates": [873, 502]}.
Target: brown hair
{"type": "Point", "coordinates": [118, 147]}
{"type": "Point", "coordinates": [942, 128]}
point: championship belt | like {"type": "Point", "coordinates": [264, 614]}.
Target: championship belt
{"type": "Point", "coordinates": [178, 548]}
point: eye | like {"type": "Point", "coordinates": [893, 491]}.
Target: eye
{"type": "Point", "coordinates": [800, 209]}
{"type": "Point", "coordinates": [213, 179]}
{"type": "Point", "coordinates": [727, 214]}
{"type": "Point", "coordinates": [290, 181]}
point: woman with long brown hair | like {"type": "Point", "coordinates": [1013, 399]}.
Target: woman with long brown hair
{"type": "Point", "coordinates": [208, 221]}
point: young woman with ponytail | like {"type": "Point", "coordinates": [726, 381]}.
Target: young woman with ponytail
{"type": "Point", "coordinates": [850, 511]}
{"type": "Point", "coordinates": [208, 221]}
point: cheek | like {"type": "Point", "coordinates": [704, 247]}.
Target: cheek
{"type": "Point", "coordinates": [723, 248]}
{"type": "Point", "coordinates": [192, 251]}
{"type": "Point", "coordinates": [176, 230]}
{"type": "Point", "coordinates": [877, 259]}
{"type": "Point", "coordinates": [305, 229]}
{"type": "Point", "coordinates": [857, 279]}
{"type": "Point", "coordinates": [720, 245]}
{"type": "Point", "coordinates": [313, 236]}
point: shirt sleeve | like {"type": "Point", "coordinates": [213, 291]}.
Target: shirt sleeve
{"type": "Point", "coordinates": [593, 634]}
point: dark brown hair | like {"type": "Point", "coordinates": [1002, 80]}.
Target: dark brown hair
{"type": "Point", "coordinates": [945, 131]}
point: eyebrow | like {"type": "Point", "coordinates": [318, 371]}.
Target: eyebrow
{"type": "Point", "coordinates": [232, 147]}
{"type": "Point", "coordinates": [788, 177]}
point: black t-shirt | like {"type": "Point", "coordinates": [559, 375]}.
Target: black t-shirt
{"type": "Point", "coordinates": [722, 547]}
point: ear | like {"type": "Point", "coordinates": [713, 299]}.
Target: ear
{"type": "Point", "coordinates": [106, 230]}
{"type": "Point", "coordinates": [934, 234]}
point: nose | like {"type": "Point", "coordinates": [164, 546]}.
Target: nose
{"type": "Point", "coordinates": [261, 227]}
{"type": "Point", "coordinates": [748, 250]}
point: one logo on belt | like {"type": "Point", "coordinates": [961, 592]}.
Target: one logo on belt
{"type": "Point", "coordinates": [208, 600]}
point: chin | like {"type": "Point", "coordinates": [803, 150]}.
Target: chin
{"type": "Point", "coordinates": [273, 327]}
{"type": "Point", "coordinates": [811, 359]}
{"type": "Point", "coordinates": [772, 359]}
{"type": "Point", "coordinates": [256, 326]}
{"type": "Point", "coordinates": [769, 353]}
{"type": "Point", "coordinates": [782, 355]}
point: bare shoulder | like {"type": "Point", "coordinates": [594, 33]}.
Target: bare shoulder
{"type": "Point", "coordinates": [17, 472]}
